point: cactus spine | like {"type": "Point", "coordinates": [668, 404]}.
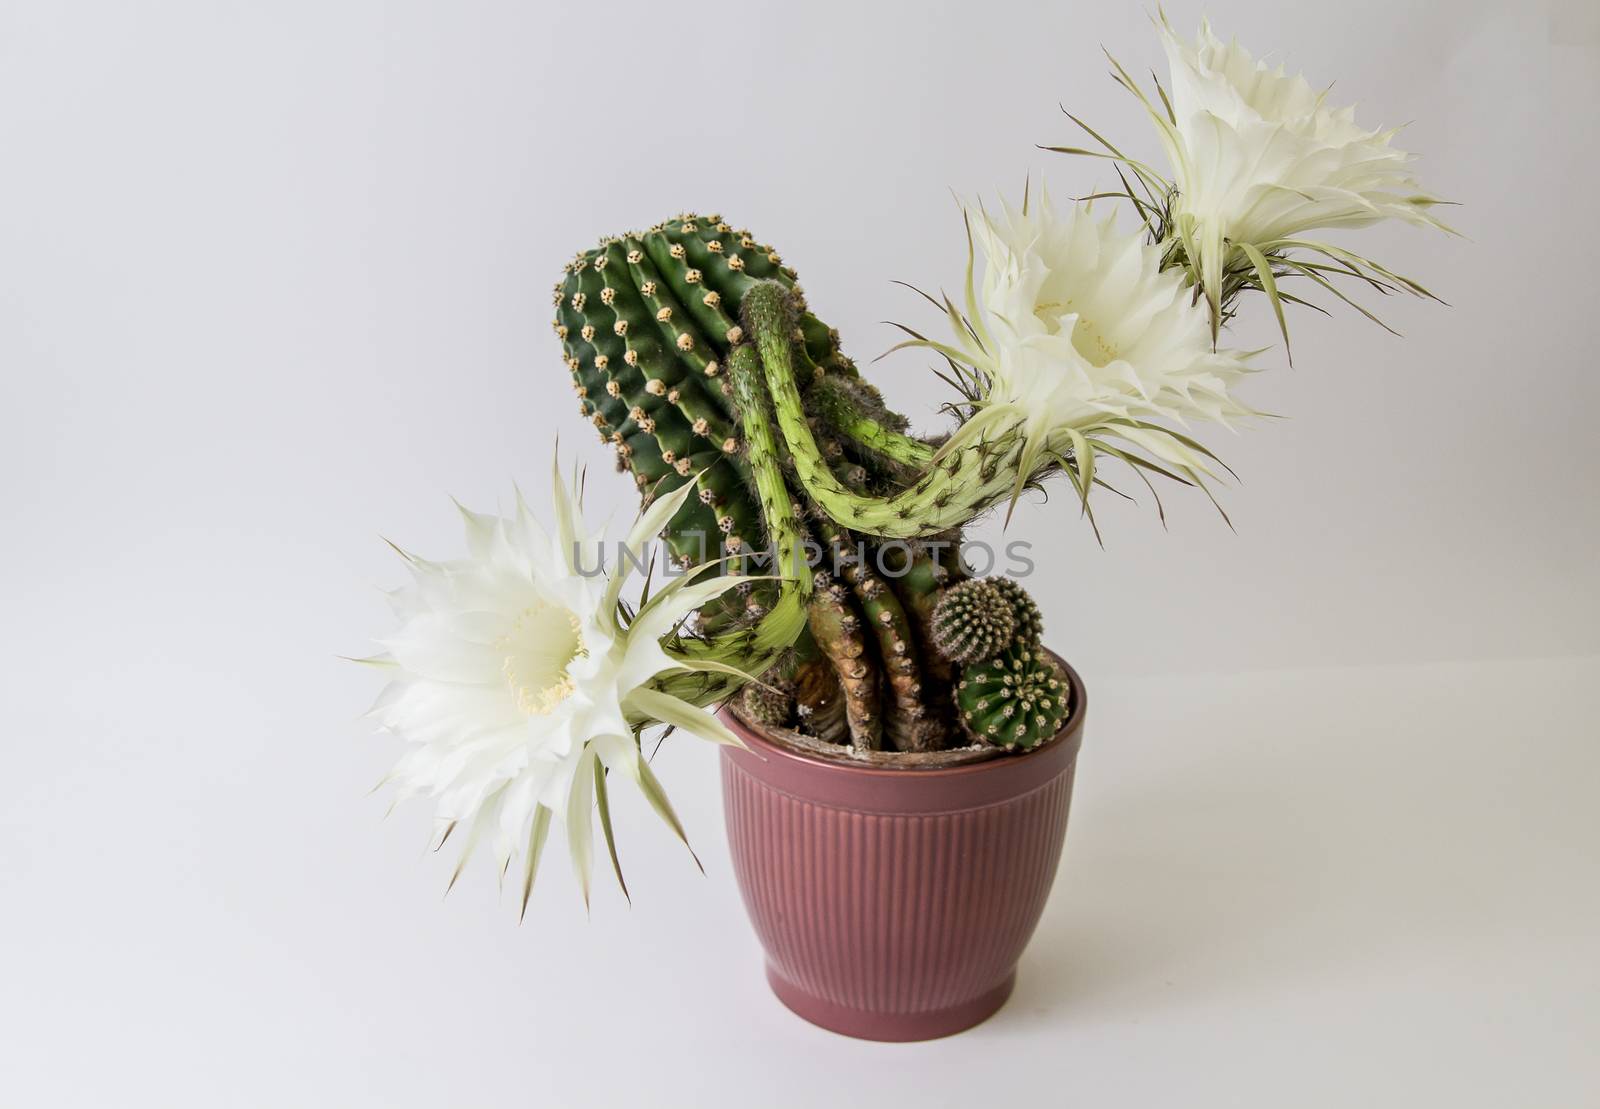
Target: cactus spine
{"type": "Point", "coordinates": [695, 358]}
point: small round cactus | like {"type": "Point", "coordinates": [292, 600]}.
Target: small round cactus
{"type": "Point", "coordinates": [1018, 699]}
{"type": "Point", "coordinates": [973, 620]}
{"type": "Point", "coordinates": [771, 705]}
{"type": "Point", "coordinates": [1029, 620]}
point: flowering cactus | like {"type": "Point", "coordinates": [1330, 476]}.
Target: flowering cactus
{"type": "Point", "coordinates": [827, 588]}
{"type": "Point", "coordinates": [693, 354]}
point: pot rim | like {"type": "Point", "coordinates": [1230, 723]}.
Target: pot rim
{"type": "Point", "coordinates": [841, 782]}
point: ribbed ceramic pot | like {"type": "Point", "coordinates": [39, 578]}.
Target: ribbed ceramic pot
{"type": "Point", "coordinates": [893, 904]}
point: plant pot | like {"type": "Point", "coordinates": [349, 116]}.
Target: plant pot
{"type": "Point", "coordinates": [893, 904]}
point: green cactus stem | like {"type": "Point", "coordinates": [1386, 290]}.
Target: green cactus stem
{"type": "Point", "coordinates": [839, 634]}
{"type": "Point", "coordinates": [695, 358]}
{"type": "Point", "coordinates": [1016, 700]}
{"type": "Point", "coordinates": [957, 487]}
{"type": "Point", "coordinates": [919, 579]}
{"type": "Point", "coordinates": [855, 411]}
{"type": "Point", "coordinates": [757, 647]}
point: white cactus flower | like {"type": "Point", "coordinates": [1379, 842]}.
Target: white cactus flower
{"type": "Point", "coordinates": [1084, 343]}
{"type": "Point", "coordinates": [518, 682]}
{"type": "Point", "coordinates": [1259, 159]}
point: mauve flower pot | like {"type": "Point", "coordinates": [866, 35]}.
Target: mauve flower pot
{"type": "Point", "coordinates": [893, 904]}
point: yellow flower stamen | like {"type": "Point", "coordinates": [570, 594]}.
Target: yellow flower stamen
{"type": "Point", "coordinates": [538, 654]}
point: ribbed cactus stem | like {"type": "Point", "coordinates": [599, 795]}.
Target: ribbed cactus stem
{"type": "Point", "coordinates": [908, 725]}
{"type": "Point", "coordinates": [692, 350]}
{"type": "Point", "coordinates": [838, 632]}
{"type": "Point", "coordinates": [919, 580]}
{"type": "Point", "coordinates": [732, 261]}
{"type": "Point", "coordinates": [834, 623]}
{"type": "Point", "coordinates": [963, 483]}
{"type": "Point", "coordinates": [840, 405]}
{"type": "Point", "coordinates": [819, 699]}
{"type": "Point", "coordinates": [766, 465]}
{"type": "Point", "coordinates": [694, 357]}
{"type": "Point", "coordinates": [756, 648]}
{"type": "Point", "coordinates": [885, 442]}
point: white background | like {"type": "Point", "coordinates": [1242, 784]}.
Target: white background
{"type": "Point", "coordinates": [274, 279]}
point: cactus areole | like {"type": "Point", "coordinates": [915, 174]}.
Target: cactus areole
{"type": "Point", "coordinates": [695, 358]}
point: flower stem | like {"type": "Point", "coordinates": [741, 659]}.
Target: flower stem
{"type": "Point", "coordinates": [754, 649]}
{"type": "Point", "coordinates": [843, 412]}
{"type": "Point", "coordinates": [949, 492]}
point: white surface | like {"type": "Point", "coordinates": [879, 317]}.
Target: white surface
{"type": "Point", "coordinates": [273, 279]}
{"type": "Point", "coordinates": [1309, 888]}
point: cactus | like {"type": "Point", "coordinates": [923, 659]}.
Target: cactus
{"type": "Point", "coordinates": [1029, 620]}
{"type": "Point", "coordinates": [973, 621]}
{"type": "Point", "coordinates": [695, 358]}
{"type": "Point", "coordinates": [1018, 699]}
{"type": "Point", "coordinates": [772, 705]}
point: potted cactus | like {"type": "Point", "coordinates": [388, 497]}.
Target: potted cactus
{"type": "Point", "coordinates": [898, 741]}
